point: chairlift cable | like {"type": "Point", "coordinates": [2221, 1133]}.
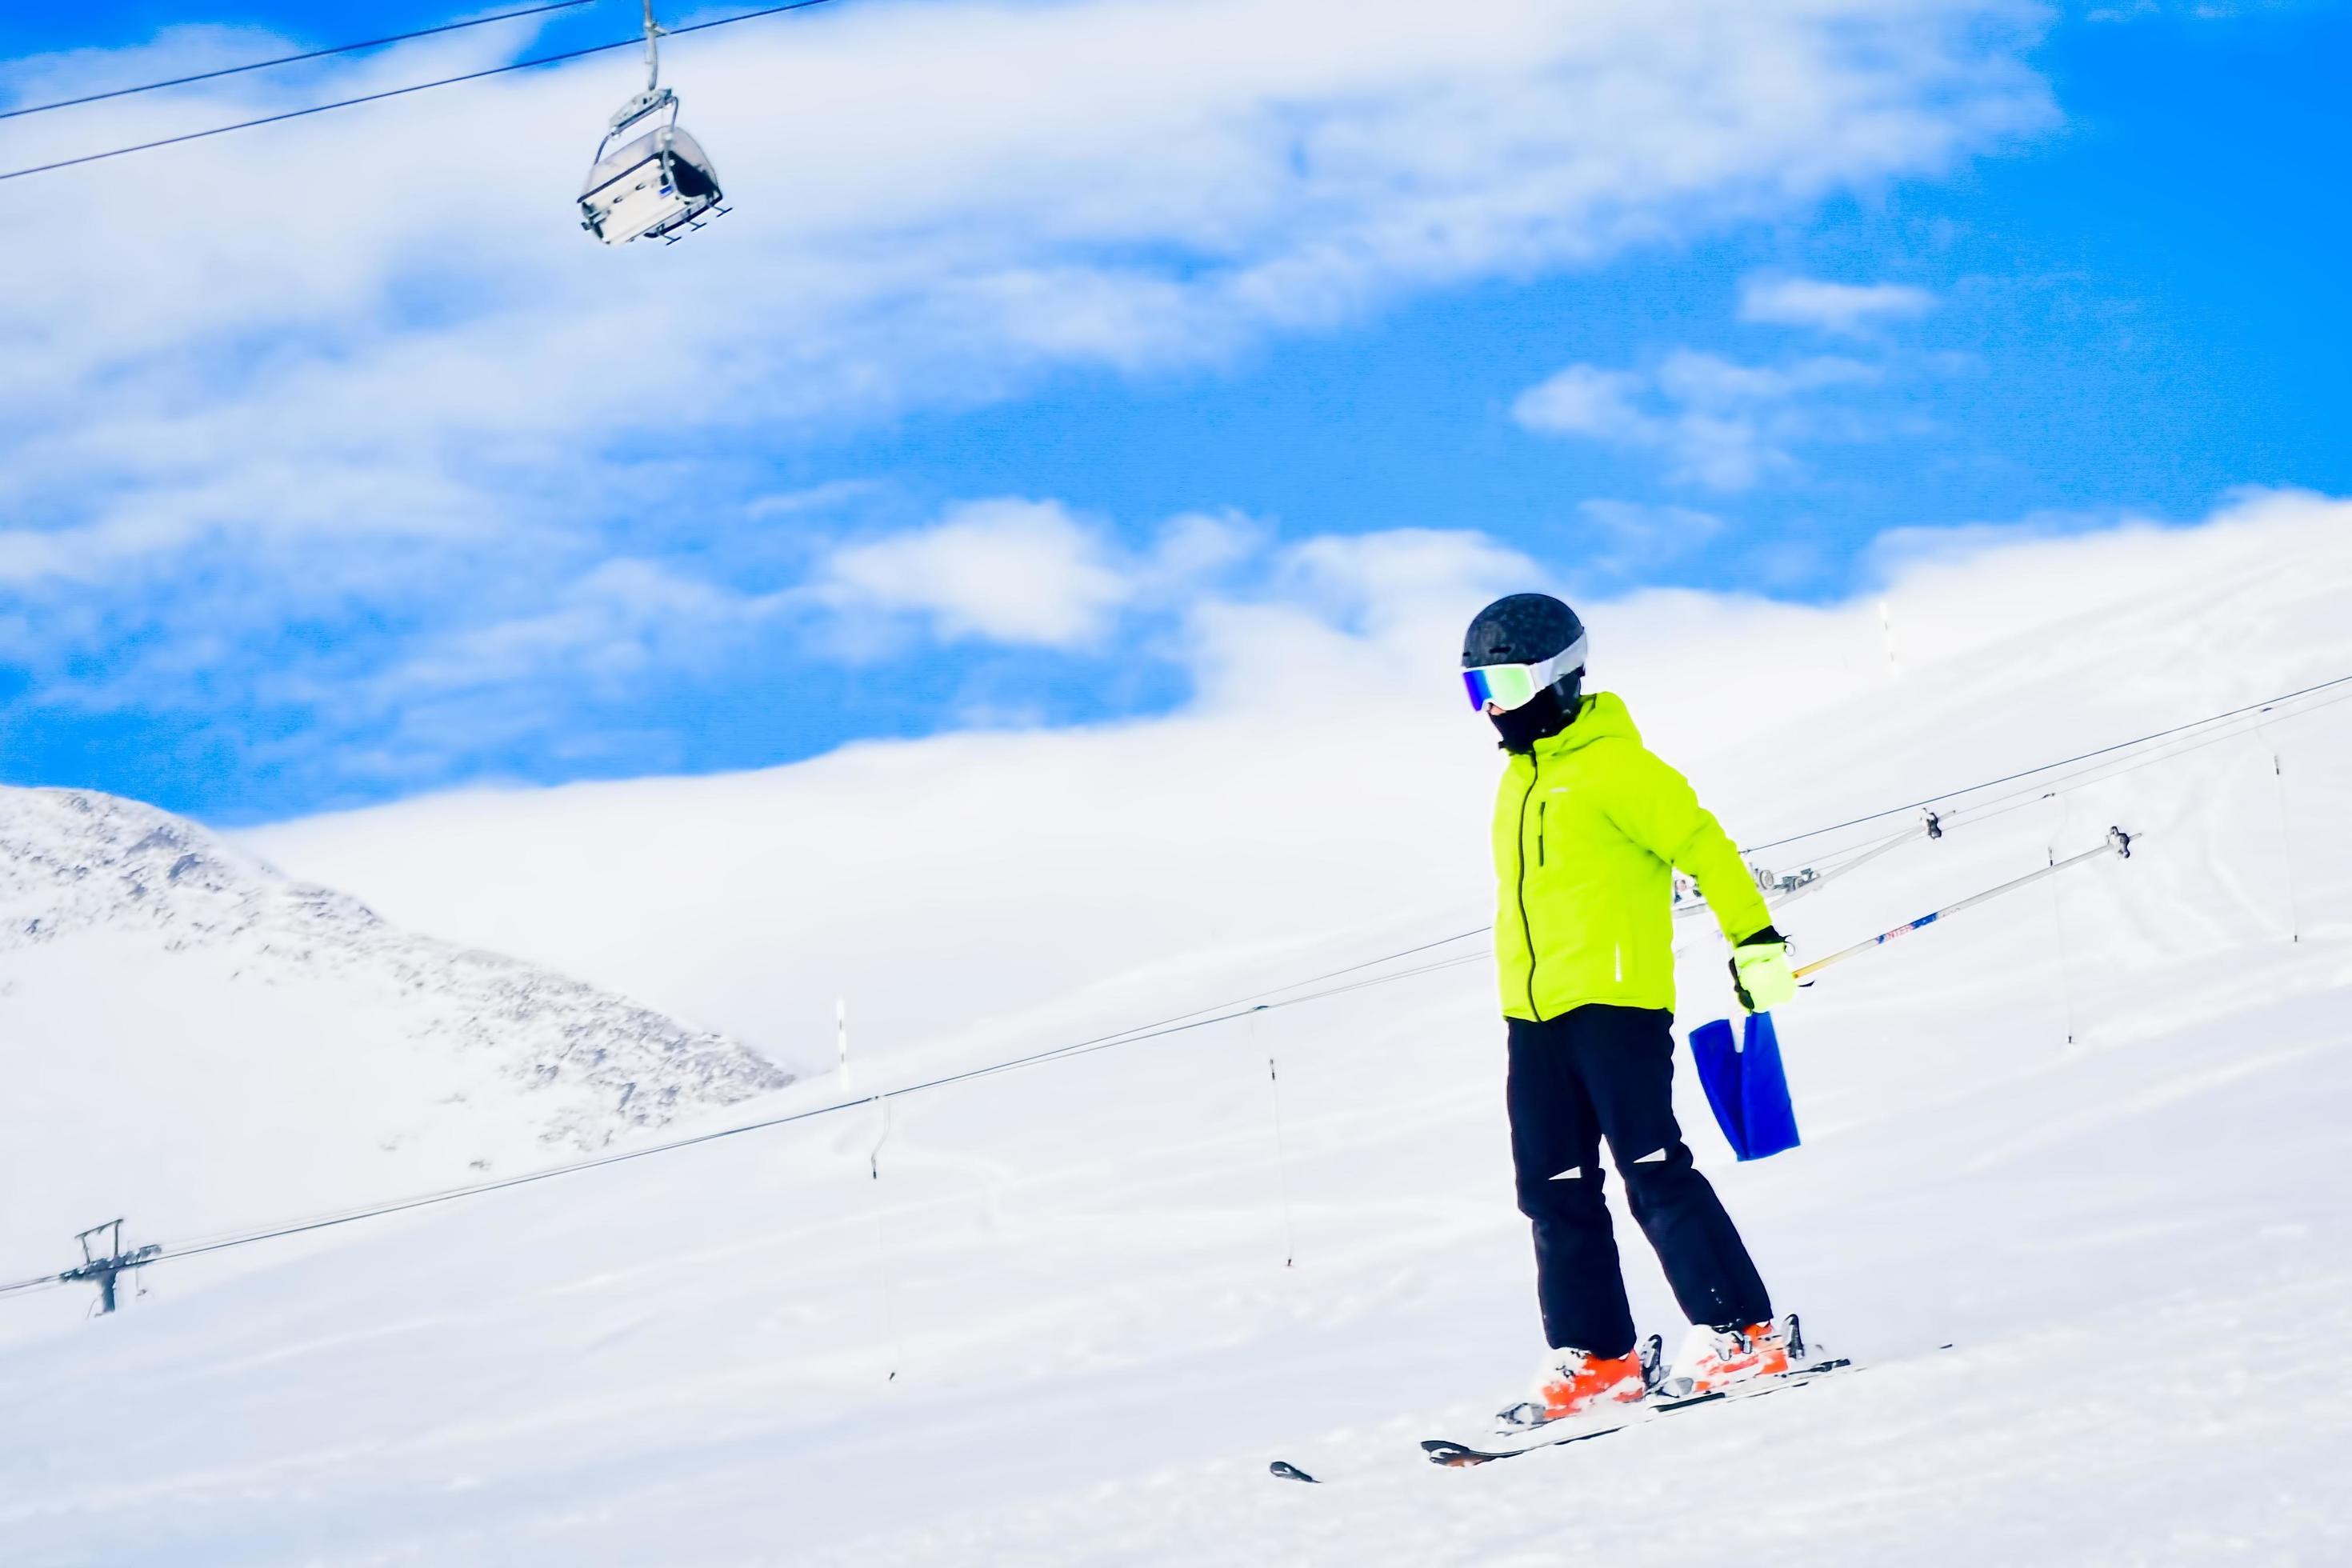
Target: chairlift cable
{"type": "Point", "coordinates": [291, 59]}
{"type": "Point", "coordinates": [451, 1195]}
{"type": "Point", "coordinates": [2121, 759]}
{"type": "Point", "coordinates": [224, 1241]}
{"type": "Point", "coordinates": [1177, 1024]}
{"type": "Point", "coordinates": [1311, 979]}
{"type": "Point", "coordinates": [631, 41]}
{"type": "Point", "coordinates": [1182, 1023]}
{"type": "Point", "coordinates": [2047, 767]}
{"type": "Point", "coordinates": [2119, 767]}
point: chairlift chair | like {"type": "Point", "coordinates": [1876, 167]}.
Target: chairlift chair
{"type": "Point", "coordinates": [651, 179]}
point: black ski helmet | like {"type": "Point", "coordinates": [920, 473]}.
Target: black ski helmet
{"type": "Point", "coordinates": [1529, 629]}
{"type": "Point", "coordinates": [1520, 629]}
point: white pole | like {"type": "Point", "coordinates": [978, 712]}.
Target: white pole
{"type": "Point", "coordinates": [2286, 838]}
{"type": "Point", "coordinates": [841, 1035]}
{"type": "Point", "coordinates": [1886, 630]}
{"type": "Point", "coordinates": [882, 1245]}
{"type": "Point", "coordinates": [2058, 922]}
{"type": "Point", "coordinates": [1281, 1155]}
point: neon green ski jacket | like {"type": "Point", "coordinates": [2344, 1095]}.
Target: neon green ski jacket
{"type": "Point", "coordinates": [1588, 829]}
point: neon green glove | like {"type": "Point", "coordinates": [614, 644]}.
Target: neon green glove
{"type": "Point", "coordinates": [1760, 972]}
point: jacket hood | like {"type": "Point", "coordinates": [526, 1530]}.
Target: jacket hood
{"type": "Point", "coordinates": [1601, 717]}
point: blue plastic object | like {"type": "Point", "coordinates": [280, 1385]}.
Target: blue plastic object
{"type": "Point", "coordinates": [1745, 1086]}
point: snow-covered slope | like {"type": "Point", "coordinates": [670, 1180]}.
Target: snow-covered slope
{"type": "Point", "coordinates": [2092, 1137]}
{"type": "Point", "coordinates": [191, 1037]}
{"type": "Point", "coordinates": [954, 887]}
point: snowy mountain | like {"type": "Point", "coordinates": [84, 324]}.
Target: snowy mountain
{"type": "Point", "coordinates": [152, 974]}
{"type": "Point", "coordinates": [2092, 1137]}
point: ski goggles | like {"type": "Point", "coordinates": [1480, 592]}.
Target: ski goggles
{"type": "Point", "coordinates": [1510, 685]}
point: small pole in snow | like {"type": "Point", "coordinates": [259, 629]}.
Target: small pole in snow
{"type": "Point", "coordinates": [2058, 922]}
{"type": "Point", "coordinates": [1281, 1156]}
{"type": "Point", "coordinates": [1886, 630]}
{"type": "Point", "coordinates": [882, 1242]}
{"type": "Point", "coordinates": [841, 1035]}
{"type": "Point", "coordinates": [2286, 833]}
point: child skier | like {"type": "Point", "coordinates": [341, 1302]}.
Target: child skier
{"type": "Point", "coordinates": [1588, 830]}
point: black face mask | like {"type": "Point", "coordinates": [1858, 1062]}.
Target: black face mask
{"type": "Point", "coordinates": [1553, 710]}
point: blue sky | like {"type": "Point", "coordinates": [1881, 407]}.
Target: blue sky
{"type": "Point", "coordinates": [987, 404]}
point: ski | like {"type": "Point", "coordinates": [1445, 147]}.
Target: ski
{"type": "Point", "coordinates": [1458, 1456]}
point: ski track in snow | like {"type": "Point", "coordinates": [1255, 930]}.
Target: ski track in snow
{"type": "Point", "coordinates": [1058, 1329]}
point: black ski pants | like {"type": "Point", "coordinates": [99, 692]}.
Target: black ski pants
{"type": "Point", "coordinates": [1599, 1072]}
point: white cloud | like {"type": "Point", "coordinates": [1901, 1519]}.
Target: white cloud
{"type": "Point", "coordinates": [1336, 621]}
{"type": "Point", "coordinates": [1009, 571]}
{"type": "Point", "coordinates": [302, 373]}
{"type": "Point", "coordinates": [1843, 307]}
{"type": "Point", "coordinates": [1586, 400]}
{"type": "Point", "coordinates": [932, 202]}
{"type": "Point", "coordinates": [1197, 547]}
{"type": "Point", "coordinates": [1723, 425]}
{"type": "Point", "coordinates": [1637, 536]}
{"type": "Point", "coordinates": [611, 624]}
{"type": "Point", "coordinates": [826, 497]}
{"type": "Point", "coordinates": [1026, 574]}
{"type": "Point", "coordinates": [1709, 381]}
{"type": "Point", "coordinates": [2194, 10]}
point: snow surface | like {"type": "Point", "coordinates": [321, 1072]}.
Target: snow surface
{"type": "Point", "coordinates": [195, 1041]}
{"type": "Point", "coordinates": [2093, 1138]}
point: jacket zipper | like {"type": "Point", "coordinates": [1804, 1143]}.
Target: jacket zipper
{"type": "Point", "coordinates": [1527, 927]}
{"type": "Point", "coordinates": [1542, 806]}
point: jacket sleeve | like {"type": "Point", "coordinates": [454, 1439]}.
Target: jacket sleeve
{"type": "Point", "coordinates": [1657, 808]}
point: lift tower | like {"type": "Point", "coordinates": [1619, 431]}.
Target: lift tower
{"type": "Point", "coordinates": [103, 1270]}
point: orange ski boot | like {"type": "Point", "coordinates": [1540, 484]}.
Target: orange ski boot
{"type": "Point", "coordinates": [1571, 1383]}
{"type": "Point", "coordinates": [1711, 1359]}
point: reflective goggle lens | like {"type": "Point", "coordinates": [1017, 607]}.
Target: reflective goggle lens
{"type": "Point", "coordinates": [1506, 686]}
{"type": "Point", "coordinates": [1509, 686]}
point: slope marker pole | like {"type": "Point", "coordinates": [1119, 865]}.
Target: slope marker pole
{"type": "Point", "coordinates": [2058, 923]}
{"type": "Point", "coordinates": [1281, 1154]}
{"type": "Point", "coordinates": [882, 1245]}
{"type": "Point", "coordinates": [2286, 840]}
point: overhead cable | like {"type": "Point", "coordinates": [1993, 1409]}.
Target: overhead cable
{"type": "Point", "coordinates": [476, 1189]}
{"type": "Point", "coordinates": [635, 41]}
{"type": "Point", "coordinates": [1179, 1024]}
{"type": "Point", "coordinates": [291, 59]}
{"type": "Point", "coordinates": [2048, 767]}
{"type": "Point", "coordinates": [2119, 766]}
